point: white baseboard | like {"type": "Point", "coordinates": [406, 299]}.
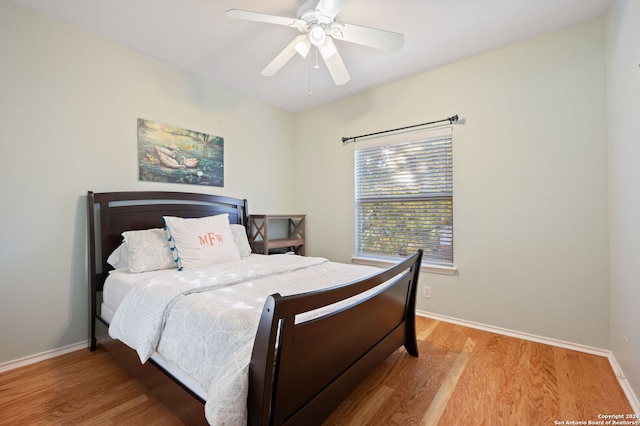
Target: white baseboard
{"type": "Point", "coordinates": [32, 359]}
{"type": "Point", "coordinates": [518, 334]}
{"type": "Point", "coordinates": [624, 383]}
{"type": "Point", "coordinates": [631, 396]}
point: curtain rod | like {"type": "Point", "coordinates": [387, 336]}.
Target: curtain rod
{"type": "Point", "coordinates": [451, 120]}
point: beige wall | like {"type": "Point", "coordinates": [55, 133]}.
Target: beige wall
{"type": "Point", "coordinates": [530, 181]}
{"type": "Point", "coordinates": [624, 184]}
{"type": "Point", "coordinates": [68, 110]}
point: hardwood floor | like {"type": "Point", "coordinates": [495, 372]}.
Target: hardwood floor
{"type": "Point", "coordinates": [462, 377]}
{"type": "Point", "coordinates": [471, 377]}
{"type": "Point", "coordinates": [80, 388]}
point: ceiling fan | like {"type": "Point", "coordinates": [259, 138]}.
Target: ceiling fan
{"type": "Point", "coordinates": [319, 28]}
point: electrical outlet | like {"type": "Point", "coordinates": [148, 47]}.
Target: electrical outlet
{"type": "Point", "coordinates": [426, 292]}
{"type": "Point", "coordinates": [626, 347]}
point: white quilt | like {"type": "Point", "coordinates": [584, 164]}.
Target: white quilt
{"type": "Point", "coordinates": [205, 320]}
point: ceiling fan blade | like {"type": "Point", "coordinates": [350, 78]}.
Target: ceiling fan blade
{"type": "Point", "coordinates": [372, 37]}
{"type": "Point", "coordinates": [331, 8]}
{"type": "Point", "coordinates": [263, 17]}
{"type": "Point", "coordinates": [300, 44]}
{"type": "Point", "coordinates": [334, 63]}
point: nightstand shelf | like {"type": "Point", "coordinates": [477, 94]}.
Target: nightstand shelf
{"type": "Point", "coordinates": [262, 242]}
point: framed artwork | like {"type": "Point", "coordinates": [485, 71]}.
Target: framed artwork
{"type": "Point", "coordinates": [175, 155]}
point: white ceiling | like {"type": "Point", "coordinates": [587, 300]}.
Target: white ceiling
{"type": "Point", "coordinates": [195, 35]}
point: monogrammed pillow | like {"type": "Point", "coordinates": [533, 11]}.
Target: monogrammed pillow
{"type": "Point", "coordinates": [148, 250]}
{"type": "Point", "coordinates": [202, 241]}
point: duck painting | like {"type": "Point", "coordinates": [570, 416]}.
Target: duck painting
{"type": "Point", "coordinates": [173, 154]}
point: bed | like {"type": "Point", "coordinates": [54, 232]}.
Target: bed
{"type": "Point", "coordinates": [306, 347]}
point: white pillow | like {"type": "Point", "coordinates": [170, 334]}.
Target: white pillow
{"type": "Point", "coordinates": [240, 235]}
{"type": "Point", "coordinates": [149, 250]}
{"type": "Point", "coordinates": [202, 241]}
{"type": "Point", "coordinates": [119, 257]}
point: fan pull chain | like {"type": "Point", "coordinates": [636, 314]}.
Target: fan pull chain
{"type": "Point", "coordinates": [315, 67]}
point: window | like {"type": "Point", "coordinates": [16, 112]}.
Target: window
{"type": "Point", "coordinates": [404, 196]}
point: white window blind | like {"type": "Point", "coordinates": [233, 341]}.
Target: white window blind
{"type": "Point", "coordinates": [404, 196]}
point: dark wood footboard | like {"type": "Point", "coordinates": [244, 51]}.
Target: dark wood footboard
{"type": "Point", "coordinates": [314, 365]}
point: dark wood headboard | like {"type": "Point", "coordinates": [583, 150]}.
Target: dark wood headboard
{"type": "Point", "coordinates": [109, 214]}
{"type": "Point", "coordinates": [112, 213]}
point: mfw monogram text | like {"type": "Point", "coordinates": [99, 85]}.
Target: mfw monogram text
{"type": "Point", "coordinates": [210, 238]}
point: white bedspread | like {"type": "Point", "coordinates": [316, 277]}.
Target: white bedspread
{"type": "Point", "coordinates": [205, 320]}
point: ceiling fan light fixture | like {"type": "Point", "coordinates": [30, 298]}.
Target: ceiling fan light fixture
{"type": "Point", "coordinates": [327, 50]}
{"type": "Point", "coordinates": [303, 47]}
{"type": "Point", "coordinates": [317, 35]}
